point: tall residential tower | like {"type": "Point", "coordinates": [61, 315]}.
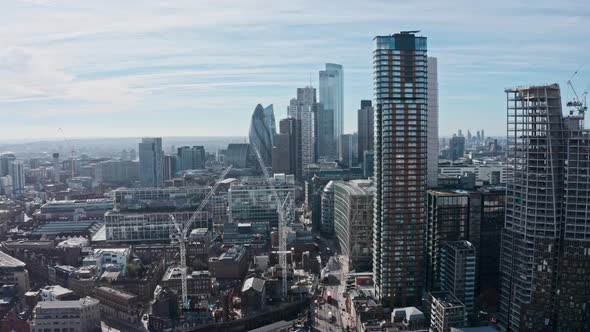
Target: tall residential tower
{"type": "Point", "coordinates": [332, 99]}
{"type": "Point", "coordinates": [400, 86]}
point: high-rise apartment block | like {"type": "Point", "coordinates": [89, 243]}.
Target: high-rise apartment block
{"type": "Point", "coordinates": [545, 259]}
{"type": "Point", "coordinates": [332, 99]}
{"type": "Point", "coordinates": [458, 272]}
{"type": "Point", "coordinates": [151, 158]}
{"type": "Point", "coordinates": [400, 85]}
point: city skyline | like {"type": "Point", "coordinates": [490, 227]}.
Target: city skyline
{"type": "Point", "coordinates": [117, 76]}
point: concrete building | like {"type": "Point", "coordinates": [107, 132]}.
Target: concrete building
{"type": "Point", "coordinates": [353, 222]}
{"type": "Point", "coordinates": [74, 316]}
{"type": "Point", "coordinates": [108, 259]}
{"type": "Point", "coordinates": [365, 127]}
{"type": "Point", "coordinates": [458, 272]}
{"type": "Point", "coordinates": [445, 311]}
{"type": "Point", "coordinates": [87, 209]}
{"type": "Point", "coordinates": [432, 136]}
{"type": "Point", "coordinates": [230, 265]}
{"type": "Point", "coordinates": [56, 293]}
{"type": "Point", "coordinates": [199, 286]}
{"type": "Point", "coordinates": [151, 159]}
{"type": "Point", "coordinates": [117, 172]}
{"type": "Point", "coordinates": [253, 295]}
{"type": "Point", "coordinates": [332, 98]}
{"type": "Point", "coordinates": [401, 110]}
{"type": "Point", "coordinates": [484, 173]}
{"type": "Point", "coordinates": [13, 272]}
{"type": "Point", "coordinates": [117, 305]}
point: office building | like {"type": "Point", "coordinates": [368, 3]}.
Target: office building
{"type": "Point", "coordinates": [366, 132]}
{"type": "Point", "coordinates": [118, 305]}
{"type": "Point", "coordinates": [304, 108]}
{"type": "Point", "coordinates": [239, 155]}
{"type": "Point", "coordinates": [191, 157]}
{"type": "Point", "coordinates": [327, 210]}
{"type": "Point", "coordinates": [332, 98]}
{"type": "Point", "coordinates": [447, 219]}
{"type": "Point", "coordinates": [74, 209]}
{"type": "Point", "coordinates": [432, 135]}
{"type": "Point", "coordinates": [545, 236]}
{"type": "Point", "coordinates": [16, 169]}
{"type": "Point", "coordinates": [458, 272]}
{"type": "Point", "coordinates": [170, 167]}
{"type": "Point", "coordinates": [484, 173]}
{"type": "Point", "coordinates": [457, 147]}
{"type": "Point", "coordinates": [6, 159]}
{"type": "Point", "coordinates": [251, 200]}
{"type": "Point", "coordinates": [262, 132]}
{"type": "Point", "coordinates": [143, 214]}
{"type": "Point", "coordinates": [348, 150]}
{"type": "Point", "coordinates": [56, 167]}
{"type": "Point", "coordinates": [151, 159]}
{"type": "Point", "coordinates": [353, 222]}
{"type": "Point", "coordinates": [117, 172]}
{"type": "Point", "coordinates": [286, 156]}
{"type": "Point", "coordinates": [400, 85]}
{"type": "Point", "coordinates": [76, 316]}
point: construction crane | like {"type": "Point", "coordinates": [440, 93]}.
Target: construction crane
{"type": "Point", "coordinates": [283, 209]}
{"type": "Point", "coordinates": [578, 103]}
{"type": "Point", "coordinates": [183, 232]}
{"type": "Point", "coordinates": [72, 150]}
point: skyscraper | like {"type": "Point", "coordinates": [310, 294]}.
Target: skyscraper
{"type": "Point", "coordinates": [190, 157]}
{"type": "Point", "coordinates": [457, 147]}
{"type": "Point", "coordinates": [17, 172]}
{"type": "Point", "coordinates": [286, 156]}
{"type": "Point", "coordinates": [365, 122]}
{"type": "Point", "coordinates": [457, 272]}
{"type": "Point", "coordinates": [349, 149]}
{"type": "Point", "coordinates": [304, 108]}
{"type": "Point", "coordinates": [263, 131]}
{"type": "Point", "coordinates": [332, 96]}
{"type": "Point", "coordinates": [151, 159]}
{"type": "Point", "coordinates": [432, 122]}
{"type": "Point", "coordinates": [400, 84]}
{"type": "Point", "coordinates": [545, 251]}
{"type": "Point", "coordinates": [169, 167]}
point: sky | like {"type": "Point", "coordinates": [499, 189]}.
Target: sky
{"type": "Point", "coordinates": [199, 68]}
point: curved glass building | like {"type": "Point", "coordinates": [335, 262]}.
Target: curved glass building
{"type": "Point", "coordinates": [262, 132]}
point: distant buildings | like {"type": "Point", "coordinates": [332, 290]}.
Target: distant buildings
{"type": "Point", "coordinates": [151, 159]}
{"type": "Point", "coordinates": [332, 99]}
{"type": "Point", "coordinates": [117, 172]}
{"type": "Point", "coordinates": [76, 316]}
{"type": "Point", "coordinates": [353, 222]}
{"type": "Point", "coordinates": [190, 157]}
{"type": "Point", "coordinates": [262, 132]}
{"type": "Point", "coordinates": [366, 131]}
{"type": "Point", "coordinates": [239, 155]}
{"type": "Point", "coordinates": [401, 110]}
{"type": "Point", "coordinates": [457, 147]}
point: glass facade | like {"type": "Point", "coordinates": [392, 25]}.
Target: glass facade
{"type": "Point", "coordinates": [263, 131]}
{"type": "Point", "coordinates": [151, 159]}
{"type": "Point", "coordinates": [332, 99]}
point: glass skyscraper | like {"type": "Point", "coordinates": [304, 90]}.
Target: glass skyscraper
{"type": "Point", "coordinates": [400, 86]}
{"type": "Point", "coordinates": [332, 99]}
{"type": "Point", "coordinates": [151, 159]}
{"type": "Point", "coordinates": [263, 131]}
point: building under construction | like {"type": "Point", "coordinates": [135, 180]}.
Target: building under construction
{"type": "Point", "coordinates": [545, 260]}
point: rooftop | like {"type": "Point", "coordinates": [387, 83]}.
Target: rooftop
{"type": "Point", "coordinates": [9, 261]}
{"type": "Point", "coordinates": [254, 283]}
{"type": "Point", "coordinates": [117, 292]}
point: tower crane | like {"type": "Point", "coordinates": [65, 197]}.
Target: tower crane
{"type": "Point", "coordinates": [283, 209]}
{"type": "Point", "coordinates": [72, 150]}
{"type": "Point", "coordinates": [182, 235]}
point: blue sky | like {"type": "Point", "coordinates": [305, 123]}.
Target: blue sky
{"type": "Point", "coordinates": [198, 68]}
